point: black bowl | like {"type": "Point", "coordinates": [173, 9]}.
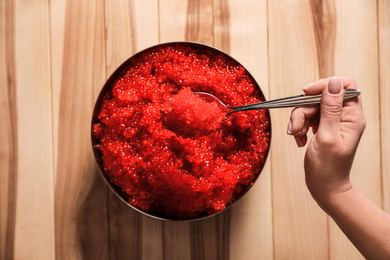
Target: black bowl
{"type": "Point", "coordinates": [119, 72]}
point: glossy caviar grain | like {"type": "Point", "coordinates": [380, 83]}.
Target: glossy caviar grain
{"type": "Point", "coordinates": [170, 152]}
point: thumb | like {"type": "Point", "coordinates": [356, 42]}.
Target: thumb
{"type": "Point", "coordinates": [331, 105]}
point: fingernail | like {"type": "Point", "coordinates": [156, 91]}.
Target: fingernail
{"type": "Point", "coordinates": [289, 128]}
{"type": "Point", "coordinates": [334, 86]}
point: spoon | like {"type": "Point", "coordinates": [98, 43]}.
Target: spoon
{"type": "Point", "coordinates": [293, 101]}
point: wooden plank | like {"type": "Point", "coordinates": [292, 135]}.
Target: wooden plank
{"type": "Point", "coordinates": [57, 35]}
{"type": "Point", "coordinates": [8, 134]}
{"type": "Point", "coordinates": [125, 231]}
{"type": "Point", "coordinates": [384, 83]}
{"type": "Point", "coordinates": [300, 227]}
{"type": "Point", "coordinates": [226, 29]}
{"type": "Point", "coordinates": [177, 241]}
{"type": "Point", "coordinates": [230, 28]}
{"type": "Point", "coordinates": [80, 195]}
{"type": "Point", "coordinates": [28, 171]}
{"type": "Point", "coordinates": [179, 21]}
{"type": "Point", "coordinates": [173, 20]}
{"type": "Point", "coordinates": [126, 21]}
{"type": "Point", "coordinates": [194, 21]}
{"type": "Point", "coordinates": [152, 239]}
{"type": "Point", "coordinates": [121, 33]}
{"type": "Point", "coordinates": [356, 55]}
{"type": "Point", "coordinates": [199, 22]}
{"type": "Point", "coordinates": [131, 27]}
{"type": "Point", "coordinates": [242, 31]}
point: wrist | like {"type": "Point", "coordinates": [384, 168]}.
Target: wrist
{"type": "Point", "coordinates": [326, 194]}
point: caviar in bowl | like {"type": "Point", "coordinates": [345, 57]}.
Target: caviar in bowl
{"type": "Point", "coordinates": [167, 152]}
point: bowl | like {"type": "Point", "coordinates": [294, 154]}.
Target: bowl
{"type": "Point", "coordinates": [165, 151]}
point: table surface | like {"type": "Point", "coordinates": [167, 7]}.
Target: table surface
{"type": "Point", "coordinates": [56, 55]}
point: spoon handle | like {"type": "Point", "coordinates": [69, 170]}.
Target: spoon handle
{"type": "Point", "coordinates": [294, 101]}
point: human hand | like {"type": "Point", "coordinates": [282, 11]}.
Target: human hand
{"type": "Point", "coordinates": [337, 128]}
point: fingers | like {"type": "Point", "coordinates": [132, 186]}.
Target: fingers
{"type": "Point", "coordinates": [301, 119]}
{"type": "Point", "coordinates": [331, 107]}
{"type": "Point", "coordinates": [328, 127]}
{"type": "Point", "coordinates": [315, 87]}
{"type": "Point", "coordinates": [301, 140]}
{"type": "Point", "coordinates": [319, 85]}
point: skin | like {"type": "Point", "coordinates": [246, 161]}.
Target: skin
{"type": "Point", "coordinates": [338, 127]}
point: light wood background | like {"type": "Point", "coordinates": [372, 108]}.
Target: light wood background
{"type": "Point", "coordinates": [56, 55]}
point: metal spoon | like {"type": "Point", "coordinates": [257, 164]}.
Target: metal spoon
{"type": "Point", "coordinates": [293, 101]}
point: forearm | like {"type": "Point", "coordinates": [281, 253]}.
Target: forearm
{"type": "Point", "coordinates": [365, 224]}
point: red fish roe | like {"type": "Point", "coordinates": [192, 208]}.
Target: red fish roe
{"type": "Point", "coordinates": [169, 152]}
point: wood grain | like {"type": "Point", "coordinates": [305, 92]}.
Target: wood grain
{"type": "Point", "coordinates": [8, 135]}
{"type": "Point", "coordinates": [131, 27]}
{"type": "Point", "coordinates": [324, 21]}
{"type": "Point", "coordinates": [207, 240]}
{"type": "Point", "coordinates": [56, 55]}
{"type": "Point", "coordinates": [80, 197]}
{"type": "Point", "coordinates": [251, 219]}
{"type": "Point", "coordinates": [356, 49]}
{"type": "Point", "coordinates": [292, 42]}
{"type": "Point", "coordinates": [29, 163]}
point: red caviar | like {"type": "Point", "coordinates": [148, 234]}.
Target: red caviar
{"type": "Point", "coordinates": [170, 152]}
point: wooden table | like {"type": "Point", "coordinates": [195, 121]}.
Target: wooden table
{"type": "Point", "coordinates": [56, 55]}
